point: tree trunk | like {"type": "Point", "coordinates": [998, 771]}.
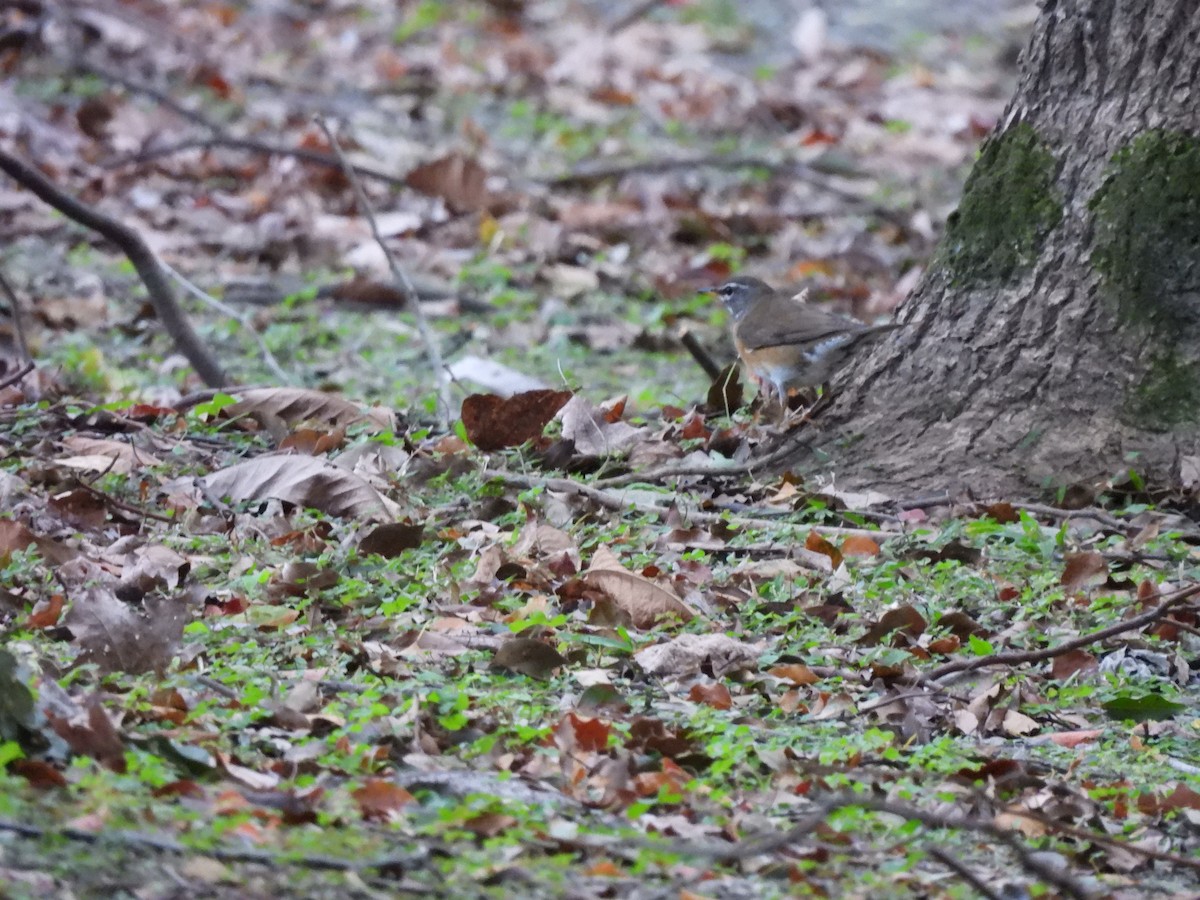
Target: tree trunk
{"type": "Point", "coordinates": [1056, 335]}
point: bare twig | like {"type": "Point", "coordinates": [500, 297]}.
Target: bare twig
{"type": "Point", "coordinates": [964, 872]}
{"type": "Point", "coordinates": [596, 172]}
{"type": "Point", "coordinates": [700, 354]}
{"type": "Point", "coordinates": [619, 500]}
{"type": "Point", "coordinates": [1017, 657]}
{"type": "Point", "coordinates": [252, 145]}
{"type": "Point", "coordinates": [14, 377]}
{"type": "Point", "coordinates": [140, 841]}
{"type": "Point", "coordinates": [1105, 840]}
{"type": "Point", "coordinates": [158, 289]}
{"type": "Point", "coordinates": [402, 282]}
{"type": "Point", "coordinates": [121, 505]}
{"type": "Point", "coordinates": [244, 320]}
{"type": "Point", "coordinates": [18, 320]}
{"type": "Point", "coordinates": [639, 12]}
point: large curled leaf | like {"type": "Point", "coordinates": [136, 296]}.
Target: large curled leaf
{"type": "Point", "coordinates": [294, 405]}
{"type": "Point", "coordinates": [305, 481]}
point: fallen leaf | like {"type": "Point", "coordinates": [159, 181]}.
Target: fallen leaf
{"type": "Point", "coordinates": [646, 602]}
{"type": "Point", "coordinates": [380, 800]}
{"type": "Point", "coordinates": [1083, 570]}
{"type": "Point", "coordinates": [527, 656]}
{"type": "Point", "coordinates": [493, 423]}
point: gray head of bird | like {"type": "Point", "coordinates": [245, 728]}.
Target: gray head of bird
{"type": "Point", "coordinates": [741, 293]}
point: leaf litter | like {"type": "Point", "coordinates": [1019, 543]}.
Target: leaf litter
{"type": "Point", "coordinates": [309, 628]}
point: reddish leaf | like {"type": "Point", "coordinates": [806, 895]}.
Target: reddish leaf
{"type": "Point", "coordinates": [1083, 570]}
{"type": "Point", "coordinates": [1067, 664]}
{"type": "Point", "coordinates": [392, 539]}
{"type": "Point", "coordinates": [859, 545]}
{"type": "Point", "coordinates": [38, 773]}
{"type": "Point", "coordinates": [96, 738]}
{"type": "Point", "coordinates": [457, 179]}
{"type": "Point", "coordinates": [380, 800]}
{"type": "Point", "coordinates": [818, 544]}
{"type": "Point", "coordinates": [715, 695]}
{"type": "Point", "coordinates": [588, 735]}
{"type": "Point", "coordinates": [904, 619]}
{"type": "Point", "coordinates": [493, 423]}
{"type": "Point", "coordinates": [796, 673]}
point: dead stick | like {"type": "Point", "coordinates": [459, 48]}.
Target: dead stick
{"type": "Point", "coordinates": [252, 145]}
{"type": "Point", "coordinates": [700, 354]}
{"type": "Point", "coordinates": [133, 839]}
{"type": "Point", "coordinates": [158, 288]}
{"type": "Point", "coordinates": [18, 320]}
{"type": "Point", "coordinates": [403, 284]}
{"type": "Point", "coordinates": [1016, 657]}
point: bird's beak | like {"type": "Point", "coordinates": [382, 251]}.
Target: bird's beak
{"type": "Point", "coordinates": [707, 290]}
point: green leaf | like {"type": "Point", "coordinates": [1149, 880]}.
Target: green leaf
{"type": "Point", "coordinates": [979, 646]}
{"type": "Point", "coordinates": [1143, 707]}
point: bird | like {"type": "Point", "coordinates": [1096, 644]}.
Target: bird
{"type": "Point", "coordinates": [786, 342]}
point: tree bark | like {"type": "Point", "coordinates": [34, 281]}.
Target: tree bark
{"type": "Point", "coordinates": [1056, 336]}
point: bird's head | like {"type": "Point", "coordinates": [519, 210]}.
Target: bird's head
{"type": "Point", "coordinates": [739, 294]}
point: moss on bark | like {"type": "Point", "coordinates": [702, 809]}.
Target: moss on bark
{"type": "Point", "coordinates": [1146, 247]}
{"type": "Point", "coordinates": [1147, 231]}
{"type": "Point", "coordinates": [1009, 205]}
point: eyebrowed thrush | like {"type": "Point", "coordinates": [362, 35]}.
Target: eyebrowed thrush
{"type": "Point", "coordinates": [785, 342]}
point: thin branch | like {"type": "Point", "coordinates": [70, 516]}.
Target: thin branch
{"type": "Point", "coordinates": [619, 500]}
{"type": "Point", "coordinates": [162, 298]}
{"type": "Point", "coordinates": [700, 354]}
{"type": "Point", "coordinates": [253, 145]}
{"type": "Point", "coordinates": [639, 12]}
{"type": "Point", "coordinates": [401, 279]}
{"type": "Point", "coordinates": [1017, 657]}
{"type": "Point", "coordinates": [18, 320]}
{"type": "Point", "coordinates": [595, 172]}
{"type": "Point", "coordinates": [139, 87]}
{"type": "Point", "coordinates": [1105, 840]}
{"type": "Point", "coordinates": [244, 320]}
{"type": "Point", "coordinates": [16, 376]}
{"type": "Point", "coordinates": [965, 873]}
{"type": "Point", "coordinates": [139, 841]}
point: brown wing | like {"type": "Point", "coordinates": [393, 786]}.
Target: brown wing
{"type": "Point", "coordinates": [791, 322]}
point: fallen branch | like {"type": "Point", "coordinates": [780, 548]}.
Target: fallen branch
{"type": "Point", "coordinates": [253, 145]}
{"type": "Point", "coordinates": [617, 501]}
{"type": "Point", "coordinates": [138, 841]}
{"type": "Point", "coordinates": [592, 173]}
{"type": "Point", "coordinates": [403, 284]}
{"type": "Point", "coordinates": [158, 288]}
{"type": "Point", "coordinates": [1017, 657]}
{"type": "Point", "coordinates": [18, 320]}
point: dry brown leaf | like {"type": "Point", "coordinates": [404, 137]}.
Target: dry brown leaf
{"type": "Point", "coordinates": [306, 481]}
{"type": "Point", "coordinates": [392, 538]}
{"type": "Point", "coordinates": [103, 455]}
{"type": "Point", "coordinates": [528, 657]}
{"type": "Point", "coordinates": [457, 179]}
{"type": "Point", "coordinates": [493, 423]}
{"type": "Point", "coordinates": [590, 429]}
{"type": "Point", "coordinates": [293, 405]}
{"type": "Point", "coordinates": [689, 654]}
{"type": "Point", "coordinates": [117, 638]}
{"type": "Point", "coordinates": [646, 602]}
{"type": "Point", "coordinates": [796, 673]}
{"type": "Point", "coordinates": [904, 619]}
{"type": "Point", "coordinates": [1083, 570]}
{"type": "Point", "coordinates": [715, 695]}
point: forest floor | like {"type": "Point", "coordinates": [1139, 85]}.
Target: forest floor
{"type": "Point", "coordinates": [573, 636]}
